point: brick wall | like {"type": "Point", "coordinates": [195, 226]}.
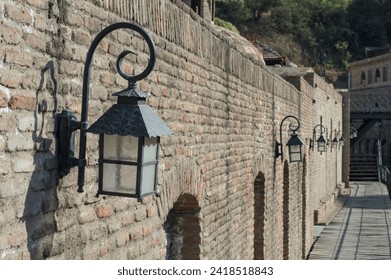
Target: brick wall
{"type": "Point", "coordinates": [223, 106]}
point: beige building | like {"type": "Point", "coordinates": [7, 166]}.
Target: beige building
{"type": "Point", "coordinates": [370, 101]}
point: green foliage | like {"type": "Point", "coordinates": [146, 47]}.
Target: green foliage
{"type": "Point", "coordinates": [338, 28]}
{"type": "Point", "coordinates": [225, 24]}
{"type": "Point", "coordinates": [231, 10]}
{"type": "Point", "coordinates": [257, 7]}
{"type": "Point", "coordinates": [371, 21]}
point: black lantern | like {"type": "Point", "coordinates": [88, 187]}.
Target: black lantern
{"type": "Point", "coordinates": [322, 144]}
{"type": "Point", "coordinates": [321, 141]}
{"type": "Point", "coordinates": [294, 143]}
{"type": "Point", "coordinates": [353, 131]}
{"type": "Point", "coordinates": [335, 140]}
{"type": "Point", "coordinates": [129, 132]}
{"type": "Point", "coordinates": [340, 140]}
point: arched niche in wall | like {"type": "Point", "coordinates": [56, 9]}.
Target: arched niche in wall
{"type": "Point", "coordinates": [285, 211]}
{"type": "Point", "coordinates": [363, 80]}
{"type": "Point", "coordinates": [259, 216]}
{"type": "Point", "coordinates": [304, 209]}
{"type": "Point", "coordinates": [377, 76]}
{"type": "Point", "coordinates": [360, 147]}
{"type": "Point", "coordinates": [183, 229]}
{"type": "Point", "coordinates": [385, 74]}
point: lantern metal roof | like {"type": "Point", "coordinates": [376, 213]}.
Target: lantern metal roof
{"type": "Point", "coordinates": [137, 120]}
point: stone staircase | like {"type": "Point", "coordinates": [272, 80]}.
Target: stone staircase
{"type": "Point", "coordinates": [363, 168]}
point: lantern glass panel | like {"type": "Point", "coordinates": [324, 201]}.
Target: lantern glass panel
{"type": "Point", "coordinates": [295, 153]}
{"type": "Point", "coordinates": [118, 147]}
{"type": "Point", "coordinates": [119, 164]}
{"type": "Point", "coordinates": [119, 178]}
{"type": "Point", "coordinates": [148, 179]}
{"type": "Point", "coordinates": [150, 149]}
{"type": "Point", "coordinates": [335, 143]}
{"type": "Point", "coordinates": [321, 146]}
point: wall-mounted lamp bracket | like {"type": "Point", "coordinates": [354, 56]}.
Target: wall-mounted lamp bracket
{"type": "Point", "coordinates": [321, 141]}
{"type": "Point", "coordinates": [129, 131]}
{"type": "Point", "coordinates": [294, 143]}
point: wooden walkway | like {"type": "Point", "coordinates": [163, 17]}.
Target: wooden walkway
{"type": "Point", "coordinates": [362, 228]}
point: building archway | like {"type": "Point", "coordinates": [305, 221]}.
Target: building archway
{"type": "Point", "coordinates": [363, 79]}
{"type": "Point", "coordinates": [259, 216]}
{"type": "Point", "coordinates": [285, 211]}
{"type": "Point", "coordinates": [304, 209]}
{"type": "Point", "coordinates": [183, 229]}
{"type": "Point", "coordinates": [377, 76]}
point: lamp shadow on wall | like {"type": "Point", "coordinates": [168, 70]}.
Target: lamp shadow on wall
{"type": "Point", "coordinates": [41, 200]}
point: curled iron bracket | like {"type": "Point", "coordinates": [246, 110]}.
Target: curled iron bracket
{"type": "Point", "coordinates": [322, 130]}
{"type": "Point", "coordinates": [66, 120]}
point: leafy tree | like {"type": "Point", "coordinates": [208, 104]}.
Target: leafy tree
{"type": "Point", "coordinates": [339, 29]}
{"type": "Point", "coordinates": [231, 10]}
{"type": "Point", "coordinates": [225, 24]}
{"type": "Point", "coordinates": [371, 21]}
{"type": "Point", "coordinates": [258, 7]}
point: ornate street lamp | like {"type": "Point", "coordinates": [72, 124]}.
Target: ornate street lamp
{"type": "Point", "coordinates": [353, 131]}
{"type": "Point", "coordinates": [294, 143]}
{"type": "Point", "coordinates": [129, 132]}
{"type": "Point", "coordinates": [321, 141]}
{"type": "Point", "coordinates": [338, 139]}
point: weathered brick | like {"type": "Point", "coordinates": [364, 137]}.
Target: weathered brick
{"type": "Point", "coordinates": [36, 42]}
{"type": "Point", "coordinates": [11, 35]}
{"type": "Point", "coordinates": [150, 212]}
{"type": "Point", "coordinates": [104, 211]}
{"type": "Point", "coordinates": [11, 187]}
{"type": "Point", "coordinates": [41, 4]}
{"type": "Point", "coordinates": [87, 214]}
{"type": "Point", "coordinates": [70, 68]}
{"type": "Point", "coordinates": [28, 122]}
{"type": "Point", "coordinates": [3, 99]}
{"type": "Point", "coordinates": [23, 164]}
{"type": "Point", "coordinates": [10, 79]}
{"type": "Point", "coordinates": [18, 57]}
{"type": "Point", "coordinates": [74, 19]}
{"type": "Point", "coordinates": [20, 142]}
{"type": "Point", "coordinates": [81, 38]}
{"type": "Point", "coordinates": [20, 102]}
{"type": "Point", "coordinates": [121, 237]}
{"type": "Point", "coordinates": [5, 167]}
{"type": "Point", "coordinates": [19, 14]}
{"type": "Point", "coordinates": [7, 122]}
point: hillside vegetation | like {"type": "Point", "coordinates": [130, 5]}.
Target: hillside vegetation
{"type": "Point", "coordinates": [318, 33]}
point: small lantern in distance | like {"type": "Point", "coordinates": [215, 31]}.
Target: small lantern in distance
{"type": "Point", "coordinates": [335, 142]}
{"type": "Point", "coordinates": [322, 144]}
{"type": "Point", "coordinates": [295, 145]}
{"type": "Point", "coordinates": [342, 141]}
{"type": "Point", "coordinates": [321, 141]}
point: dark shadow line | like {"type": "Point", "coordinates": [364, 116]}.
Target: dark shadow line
{"type": "Point", "coordinates": [337, 252]}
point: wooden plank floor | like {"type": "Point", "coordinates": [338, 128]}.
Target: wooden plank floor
{"type": "Point", "coordinates": [362, 228]}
